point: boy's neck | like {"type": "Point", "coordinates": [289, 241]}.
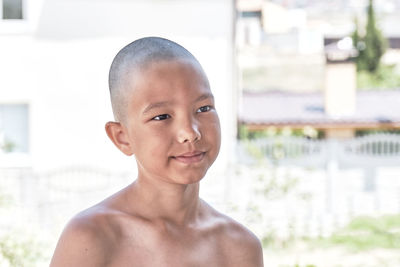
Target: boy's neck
{"type": "Point", "coordinates": [172, 203]}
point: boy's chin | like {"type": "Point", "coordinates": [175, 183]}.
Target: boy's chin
{"type": "Point", "coordinates": [188, 178]}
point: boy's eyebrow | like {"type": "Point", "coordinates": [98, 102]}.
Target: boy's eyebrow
{"type": "Point", "coordinates": [204, 96]}
{"type": "Point", "coordinates": [166, 103]}
{"type": "Point", "coordinates": [155, 105]}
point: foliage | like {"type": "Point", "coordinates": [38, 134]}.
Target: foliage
{"type": "Point", "coordinates": [246, 134]}
{"type": "Point", "coordinates": [371, 46]}
{"type": "Point", "coordinates": [7, 146]}
{"type": "Point", "coordinates": [5, 200]}
{"type": "Point", "coordinates": [270, 185]}
{"type": "Point", "coordinates": [17, 247]}
{"type": "Point", "coordinates": [385, 77]}
{"type": "Point", "coordinates": [369, 132]}
{"type": "Point", "coordinates": [364, 233]}
{"type": "Point", "coordinates": [275, 188]}
{"type": "Point", "coordinates": [359, 45]}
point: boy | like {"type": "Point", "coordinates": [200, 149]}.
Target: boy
{"type": "Point", "coordinates": [165, 116]}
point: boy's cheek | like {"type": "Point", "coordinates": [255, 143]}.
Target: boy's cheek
{"type": "Point", "coordinates": [216, 128]}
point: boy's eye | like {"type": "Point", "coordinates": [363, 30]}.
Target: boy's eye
{"type": "Point", "coordinates": [204, 109]}
{"type": "Point", "coordinates": [161, 117]}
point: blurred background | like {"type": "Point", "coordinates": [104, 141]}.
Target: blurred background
{"type": "Point", "coordinates": [308, 93]}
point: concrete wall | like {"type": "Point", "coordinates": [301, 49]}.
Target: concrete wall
{"type": "Point", "coordinates": [60, 70]}
{"type": "Point", "coordinates": [340, 89]}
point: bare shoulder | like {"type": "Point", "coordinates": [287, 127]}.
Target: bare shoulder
{"type": "Point", "coordinates": [84, 240]}
{"type": "Point", "coordinates": [239, 245]}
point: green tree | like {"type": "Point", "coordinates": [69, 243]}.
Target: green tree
{"type": "Point", "coordinates": [372, 46]}
{"type": "Point", "coordinates": [359, 45]}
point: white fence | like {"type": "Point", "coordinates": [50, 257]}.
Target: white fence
{"type": "Point", "coordinates": [49, 199]}
{"type": "Point", "coordinates": [377, 149]}
{"type": "Point", "coordinates": [343, 179]}
{"type": "Point", "coordinates": [368, 152]}
{"type": "Point", "coordinates": [336, 180]}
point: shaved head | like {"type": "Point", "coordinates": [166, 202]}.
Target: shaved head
{"type": "Point", "coordinates": [137, 56]}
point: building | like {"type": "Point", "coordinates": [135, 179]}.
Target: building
{"type": "Point", "coordinates": [338, 110]}
{"type": "Point", "coordinates": [55, 57]}
{"type": "Point", "coordinates": [375, 110]}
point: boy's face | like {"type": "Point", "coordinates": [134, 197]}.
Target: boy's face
{"type": "Point", "coordinates": [171, 122]}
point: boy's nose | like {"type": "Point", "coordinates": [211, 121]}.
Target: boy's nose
{"type": "Point", "coordinates": [189, 133]}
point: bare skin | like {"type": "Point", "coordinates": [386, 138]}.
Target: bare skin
{"type": "Point", "coordinates": [159, 220]}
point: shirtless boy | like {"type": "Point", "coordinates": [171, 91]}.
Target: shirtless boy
{"type": "Point", "coordinates": [165, 116]}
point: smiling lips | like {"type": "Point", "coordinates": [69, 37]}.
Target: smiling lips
{"type": "Point", "coordinates": [190, 157]}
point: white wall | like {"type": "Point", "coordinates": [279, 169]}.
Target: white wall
{"type": "Point", "coordinates": [61, 70]}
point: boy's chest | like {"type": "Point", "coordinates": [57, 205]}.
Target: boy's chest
{"type": "Point", "coordinates": [166, 251]}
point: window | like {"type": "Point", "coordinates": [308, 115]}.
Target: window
{"type": "Point", "coordinates": [249, 14]}
{"type": "Point", "coordinates": [14, 128]}
{"type": "Point", "coordinates": [12, 9]}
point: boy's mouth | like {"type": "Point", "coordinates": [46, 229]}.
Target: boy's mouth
{"type": "Point", "coordinates": [190, 157]}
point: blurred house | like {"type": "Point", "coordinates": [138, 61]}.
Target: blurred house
{"type": "Point", "coordinates": [275, 26]}
{"type": "Point", "coordinates": [338, 111]}
{"type": "Point", "coordinates": [274, 39]}
{"type": "Point", "coordinates": [300, 73]}
{"type": "Point", "coordinates": [277, 37]}
{"type": "Point", "coordinates": [55, 56]}
{"type": "Point", "coordinates": [375, 110]}
{"type": "Point", "coordinates": [392, 53]}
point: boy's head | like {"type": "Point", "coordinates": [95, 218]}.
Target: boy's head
{"type": "Point", "coordinates": [165, 110]}
{"type": "Point", "coordinates": [137, 56]}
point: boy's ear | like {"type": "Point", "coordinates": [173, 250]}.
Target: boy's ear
{"type": "Point", "coordinates": [119, 136]}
